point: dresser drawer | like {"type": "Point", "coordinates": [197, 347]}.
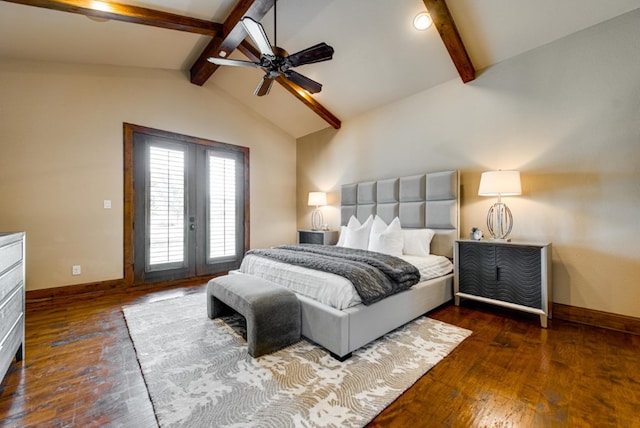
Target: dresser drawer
{"type": "Point", "coordinates": [10, 310]}
{"type": "Point", "coordinates": [10, 255]}
{"type": "Point", "coordinates": [10, 344]}
{"type": "Point", "coordinates": [9, 280]}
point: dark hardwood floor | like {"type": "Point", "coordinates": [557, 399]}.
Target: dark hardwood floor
{"type": "Point", "coordinates": [81, 370]}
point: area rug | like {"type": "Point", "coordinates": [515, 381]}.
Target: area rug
{"type": "Point", "coordinates": [199, 374]}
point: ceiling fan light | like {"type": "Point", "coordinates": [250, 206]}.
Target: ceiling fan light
{"type": "Point", "coordinates": [422, 21]}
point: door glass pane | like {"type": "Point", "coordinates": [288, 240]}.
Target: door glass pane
{"type": "Point", "coordinates": [222, 206]}
{"type": "Point", "coordinates": [166, 206]}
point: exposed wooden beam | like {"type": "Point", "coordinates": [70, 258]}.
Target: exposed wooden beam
{"type": "Point", "coordinates": [127, 13]}
{"type": "Point", "coordinates": [253, 55]}
{"type": "Point", "coordinates": [443, 21]}
{"type": "Point", "coordinates": [233, 35]}
{"type": "Point", "coordinates": [310, 102]}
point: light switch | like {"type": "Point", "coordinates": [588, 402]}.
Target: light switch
{"type": "Point", "coordinates": [106, 204]}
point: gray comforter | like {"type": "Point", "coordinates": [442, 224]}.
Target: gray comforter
{"type": "Point", "coordinates": [374, 275]}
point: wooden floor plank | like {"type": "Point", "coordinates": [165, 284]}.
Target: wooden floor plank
{"type": "Point", "coordinates": [81, 370]}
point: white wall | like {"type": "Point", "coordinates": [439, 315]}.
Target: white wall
{"type": "Point", "coordinates": [61, 155]}
{"type": "Point", "coordinates": [567, 115]}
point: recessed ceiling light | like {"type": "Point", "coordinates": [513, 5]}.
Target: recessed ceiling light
{"type": "Point", "coordinates": [100, 5]}
{"type": "Point", "coordinates": [422, 21]}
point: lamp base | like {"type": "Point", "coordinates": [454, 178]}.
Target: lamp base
{"type": "Point", "coordinates": [316, 219]}
{"type": "Point", "coordinates": [499, 221]}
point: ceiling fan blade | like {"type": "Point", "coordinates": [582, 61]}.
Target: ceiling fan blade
{"type": "Point", "coordinates": [257, 34]}
{"type": "Point", "coordinates": [264, 87]}
{"type": "Point", "coordinates": [304, 82]}
{"type": "Point", "coordinates": [317, 53]}
{"type": "Point", "coordinates": [234, 62]}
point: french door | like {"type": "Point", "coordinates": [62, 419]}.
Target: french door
{"type": "Point", "coordinates": [189, 206]}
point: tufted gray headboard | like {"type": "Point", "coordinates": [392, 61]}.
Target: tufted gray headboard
{"type": "Point", "coordinates": [429, 200]}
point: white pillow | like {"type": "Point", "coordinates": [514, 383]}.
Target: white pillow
{"type": "Point", "coordinates": [417, 242]}
{"type": "Point", "coordinates": [343, 235]}
{"type": "Point", "coordinates": [386, 239]}
{"type": "Point", "coordinates": [353, 223]}
{"type": "Point", "coordinates": [356, 235]}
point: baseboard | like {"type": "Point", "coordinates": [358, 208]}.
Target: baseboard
{"type": "Point", "coordinates": [596, 318]}
{"type": "Point", "coordinates": [103, 287]}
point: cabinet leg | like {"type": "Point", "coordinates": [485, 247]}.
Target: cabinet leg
{"type": "Point", "coordinates": [456, 300]}
{"type": "Point", "coordinates": [543, 321]}
{"type": "Point", "coordinates": [20, 353]}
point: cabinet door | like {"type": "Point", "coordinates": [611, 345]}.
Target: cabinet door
{"type": "Point", "coordinates": [518, 271]}
{"type": "Point", "coordinates": [501, 272]}
{"type": "Point", "coordinates": [476, 271]}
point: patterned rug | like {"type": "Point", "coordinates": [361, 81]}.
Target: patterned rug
{"type": "Point", "coordinates": [199, 374]}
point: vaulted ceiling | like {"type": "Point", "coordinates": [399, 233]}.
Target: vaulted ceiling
{"type": "Point", "coordinates": [379, 57]}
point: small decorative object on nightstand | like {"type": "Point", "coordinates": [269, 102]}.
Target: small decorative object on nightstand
{"type": "Point", "coordinates": [476, 234]}
{"type": "Point", "coordinates": [514, 275]}
{"type": "Point", "coordinates": [322, 237]}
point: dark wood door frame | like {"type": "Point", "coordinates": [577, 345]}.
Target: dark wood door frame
{"type": "Point", "coordinates": [128, 190]}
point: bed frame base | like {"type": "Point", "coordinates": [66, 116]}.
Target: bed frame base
{"type": "Point", "coordinates": [342, 332]}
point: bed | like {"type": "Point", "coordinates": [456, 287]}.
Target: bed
{"type": "Point", "coordinates": [425, 201]}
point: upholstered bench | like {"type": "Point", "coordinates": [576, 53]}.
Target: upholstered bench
{"type": "Point", "coordinates": [272, 312]}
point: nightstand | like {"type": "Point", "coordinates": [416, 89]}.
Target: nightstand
{"type": "Point", "coordinates": [322, 237]}
{"type": "Point", "coordinates": [510, 274]}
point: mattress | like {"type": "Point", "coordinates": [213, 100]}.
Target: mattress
{"type": "Point", "coordinates": [327, 288]}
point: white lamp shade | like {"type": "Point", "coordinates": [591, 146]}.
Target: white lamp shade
{"type": "Point", "coordinates": [500, 183]}
{"type": "Point", "coordinates": [317, 198]}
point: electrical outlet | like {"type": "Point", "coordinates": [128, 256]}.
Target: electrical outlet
{"type": "Point", "coordinates": [106, 204]}
{"type": "Point", "coordinates": [76, 270]}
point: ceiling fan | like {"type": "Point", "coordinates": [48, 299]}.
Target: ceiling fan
{"type": "Point", "coordinates": [276, 61]}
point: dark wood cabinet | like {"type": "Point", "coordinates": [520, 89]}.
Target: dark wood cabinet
{"type": "Point", "coordinates": [322, 237]}
{"type": "Point", "coordinates": [511, 274]}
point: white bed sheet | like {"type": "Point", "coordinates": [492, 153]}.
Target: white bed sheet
{"type": "Point", "coordinates": [327, 288]}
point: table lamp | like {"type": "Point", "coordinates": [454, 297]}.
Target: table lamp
{"type": "Point", "coordinates": [500, 183]}
{"type": "Point", "coordinates": [317, 199]}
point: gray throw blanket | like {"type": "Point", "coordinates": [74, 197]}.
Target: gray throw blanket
{"type": "Point", "coordinates": [374, 275]}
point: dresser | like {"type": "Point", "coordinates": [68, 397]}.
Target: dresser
{"type": "Point", "coordinates": [12, 299]}
{"type": "Point", "coordinates": [516, 275]}
{"type": "Point", "coordinates": [322, 237]}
